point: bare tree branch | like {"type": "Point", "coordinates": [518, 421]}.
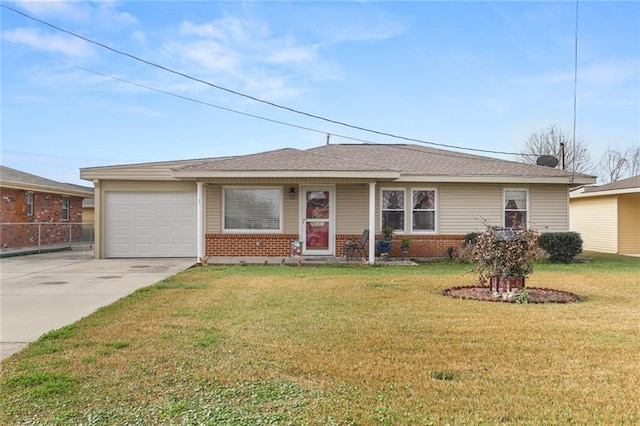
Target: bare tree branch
{"type": "Point", "coordinates": [613, 165]}
{"type": "Point", "coordinates": [549, 141]}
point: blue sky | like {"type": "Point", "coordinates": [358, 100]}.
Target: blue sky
{"type": "Point", "coordinates": [480, 74]}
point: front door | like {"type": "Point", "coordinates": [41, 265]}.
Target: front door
{"type": "Point", "coordinates": [317, 221]}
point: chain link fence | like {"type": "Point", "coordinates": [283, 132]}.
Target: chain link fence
{"type": "Point", "coordinates": [36, 237]}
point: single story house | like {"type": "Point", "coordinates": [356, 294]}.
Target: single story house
{"type": "Point", "coordinates": [258, 204]}
{"type": "Point", "coordinates": [37, 211]}
{"type": "Point", "coordinates": [608, 216]}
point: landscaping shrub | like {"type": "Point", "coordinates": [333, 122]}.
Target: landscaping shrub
{"type": "Point", "coordinates": [471, 237]}
{"type": "Point", "coordinates": [464, 254]}
{"type": "Point", "coordinates": [562, 247]}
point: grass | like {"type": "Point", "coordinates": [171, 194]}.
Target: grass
{"type": "Point", "coordinates": [340, 345]}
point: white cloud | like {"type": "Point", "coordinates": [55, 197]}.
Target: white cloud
{"type": "Point", "coordinates": [207, 54]}
{"type": "Point", "coordinates": [292, 55]}
{"type": "Point", "coordinates": [47, 42]}
{"type": "Point", "coordinates": [226, 29]}
{"type": "Point", "coordinates": [70, 10]}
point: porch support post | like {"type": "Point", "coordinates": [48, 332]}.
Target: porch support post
{"type": "Point", "coordinates": [200, 221]}
{"type": "Point", "coordinates": [372, 223]}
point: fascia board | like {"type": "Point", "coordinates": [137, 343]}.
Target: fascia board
{"type": "Point", "coordinates": [496, 179]}
{"type": "Point", "coordinates": [605, 193]}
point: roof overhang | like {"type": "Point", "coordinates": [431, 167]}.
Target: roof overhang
{"type": "Point", "coordinates": [582, 194]}
{"type": "Point", "coordinates": [567, 180]}
{"type": "Point", "coordinates": [48, 189]}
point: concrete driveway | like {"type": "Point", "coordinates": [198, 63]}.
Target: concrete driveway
{"type": "Point", "coordinates": [43, 292]}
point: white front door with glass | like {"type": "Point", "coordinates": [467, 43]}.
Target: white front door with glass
{"type": "Point", "coordinates": [317, 221]}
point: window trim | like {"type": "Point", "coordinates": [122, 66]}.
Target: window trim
{"type": "Point", "coordinates": [404, 208]}
{"type": "Point", "coordinates": [66, 208]}
{"type": "Point", "coordinates": [527, 208]}
{"type": "Point", "coordinates": [224, 230]}
{"type": "Point", "coordinates": [29, 201]}
{"type": "Point", "coordinates": [435, 211]}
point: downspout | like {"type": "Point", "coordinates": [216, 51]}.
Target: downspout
{"type": "Point", "coordinates": [372, 223]}
{"type": "Point", "coordinates": [200, 222]}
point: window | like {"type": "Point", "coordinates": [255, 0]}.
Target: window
{"type": "Point", "coordinates": [252, 209]}
{"type": "Point", "coordinates": [515, 208]}
{"type": "Point", "coordinates": [65, 208]}
{"type": "Point", "coordinates": [28, 197]}
{"type": "Point", "coordinates": [424, 210]}
{"type": "Point", "coordinates": [393, 209]}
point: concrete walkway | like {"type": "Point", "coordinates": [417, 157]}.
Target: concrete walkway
{"type": "Point", "coordinates": [43, 292]}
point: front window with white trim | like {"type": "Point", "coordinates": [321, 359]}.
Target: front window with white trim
{"type": "Point", "coordinates": [252, 209]}
{"type": "Point", "coordinates": [516, 203]}
{"type": "Point", "coordinates": [423, 210]}
{"type": "Point", "coordinates": [393, 208]}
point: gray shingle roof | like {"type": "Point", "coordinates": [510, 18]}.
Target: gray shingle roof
{"type": "Point", "coordinates": [629, 183]}
{"type": "Point", "coordinates": [421, 160]}
{"type": "Point", "coordinates": [286, 159]}
{"type": "Point", "coordinates": [405, 159]}
{"type": "Point", "coordinates": [16, 179]}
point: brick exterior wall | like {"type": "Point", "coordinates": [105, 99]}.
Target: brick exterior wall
{"type": "Point", "coordinates": [44, 227]}
{"type": "Point", "coordinates": [279, 245]}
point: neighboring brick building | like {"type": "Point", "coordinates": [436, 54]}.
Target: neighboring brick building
{"type": "Point", "coordinates": [38, 212]}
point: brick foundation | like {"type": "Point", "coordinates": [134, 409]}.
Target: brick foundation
{"type": "Point", "coordinates": [279, 245]}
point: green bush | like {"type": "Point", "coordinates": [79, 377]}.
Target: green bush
{"type": "Point", "coordinates": [562, 247]}
{"type": "Point", "coordinates": [471, 237]}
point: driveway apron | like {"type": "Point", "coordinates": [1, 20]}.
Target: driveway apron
{"type": "Point", "coordinates": [43, 292]}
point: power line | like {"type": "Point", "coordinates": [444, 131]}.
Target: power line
{"type": "Point", "coordinates": [164, 68]}
{"type": "Point", "coordinates": [187, 98]}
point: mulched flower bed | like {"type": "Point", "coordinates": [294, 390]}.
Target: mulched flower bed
{"type": "Point", "coordinates": [535, 295]}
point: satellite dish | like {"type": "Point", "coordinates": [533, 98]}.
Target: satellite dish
{"type": "Point", "coordinates": [547, 160]}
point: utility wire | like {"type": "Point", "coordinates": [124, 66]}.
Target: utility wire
{"type": "Point", "coordinates": [164, 68]}
{"type": "Point", "coordinates": [443, 153]}
{"type": "Point", "coordinates": [575, 91]}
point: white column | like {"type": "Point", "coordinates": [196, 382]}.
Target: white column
{"type": "Point", "coordinates": [200, 221]}
{"type": "Point", "coordinates": [372, 223]}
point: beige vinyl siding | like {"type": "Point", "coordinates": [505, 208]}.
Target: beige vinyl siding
{"type": "Point", "coordinates": [596, 218]}
{"type": "Point", "coordinates": [213, 205]}
{"type": "Point", "coordinates": [290, 223]}
{"type": "Point", "coordinates": [549, 208]}
{"type": "Point", "coordinates": [152, 171]}
{"type": "Point", "coordinates": [147, 186]}
{"type": "Point", "coordinates": [462, 207]}
{"type": "Point", "coordinates": [352, 208]}
{"type": "Point", "coordinates": [629, 224]}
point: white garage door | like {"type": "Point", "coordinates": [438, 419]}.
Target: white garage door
{"type": "Point", "coordinates": [151, 224]}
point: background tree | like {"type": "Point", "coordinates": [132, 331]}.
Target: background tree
{"type": "Point", "coordinates": [548, 142]}
{"type": "Point", "coordinates": [633, 157]}
{"type": "Point", "coordinates": [617, 164]}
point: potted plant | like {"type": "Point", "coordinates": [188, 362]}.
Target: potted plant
{"type": "Point", "coordinates": [388, 231]}
{"type": "Point", "coordinates": [504, 257]}
{"type": "Point", "coordinates": [404, 245]}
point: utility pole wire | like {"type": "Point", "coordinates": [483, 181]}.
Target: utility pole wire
{"type": "Point", "coordinates": [187, 76]}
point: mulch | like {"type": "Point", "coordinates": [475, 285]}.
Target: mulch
{"type": "Point", "coordinates": [535, 295]}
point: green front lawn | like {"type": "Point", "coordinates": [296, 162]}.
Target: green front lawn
{"type": "Point", "coordinates": [340, 345]}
